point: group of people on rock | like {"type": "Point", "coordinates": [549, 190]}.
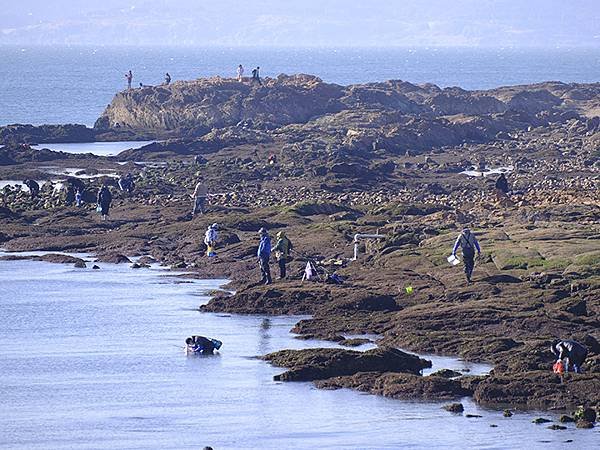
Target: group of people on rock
{"type": "Point", "coordinates": [282, 249]}
{"type": "Point", "coordinates": [239, 75]}
{"type": "Point", "coordinates": [129, 79]}
{"type": "Point", "coordinates": [255, 74]}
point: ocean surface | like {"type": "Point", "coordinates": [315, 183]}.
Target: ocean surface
{"type": "Point", "coordinates": [93, 359]}
{"type": "Point", "coordinates": [74, 84]}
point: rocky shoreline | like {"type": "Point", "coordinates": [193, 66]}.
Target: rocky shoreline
{"type": "Point", "coordinates": [324, 162]}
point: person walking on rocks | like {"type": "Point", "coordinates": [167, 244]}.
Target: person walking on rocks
{"type": "Point", "coordinates": [573, 352]}
{"type": "Point", "coordinates": [501, 188]}
{"type": "Point", "coordinates": [240, 73]}
{"type": "Point", "coordinates": [264, 253]}
{"type": "Point", "coordinates": [282, 250]}
{"type": "Point", "coordinates": [468, 244]}
{"type": "Point", "coordinates": [126, 183]}
{"type": "Point", "coordinates": [199, 197]}
{"type": "Point", "coordinates": [104, 200]}
{"type": "Point", "coordinates": [167, 79]}
{"type": "Point", "coordinates": [210, 239]}
{"type": "Point", "coordinates": [129, 78]}
{"type": "Point", "coordinates": [256, 75]}
{"type": "Point", "coordinates": [34, 187]}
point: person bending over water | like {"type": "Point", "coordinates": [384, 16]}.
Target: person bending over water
{"type": "Point", "coordinates": [202, 345]}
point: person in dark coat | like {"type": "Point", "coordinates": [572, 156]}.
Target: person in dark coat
{"type": "Point", "coordinates": [201, 344]}
{"type": "Point", "coordinates": [569, 352]}
{"type": "Point", "coordinates": [34, 187]}
{"type": "Point", "coordinates": [502, 188]}
{"type": "Point", "coordinates": [468, 244]}
{"type": "Point", "coordinates": [104, 201]}
{"type": "Point", "coordinates": [256, 76]}
{"type": "Point", "coordinates": [126, 183]}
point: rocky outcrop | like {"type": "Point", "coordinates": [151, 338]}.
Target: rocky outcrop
{"type": "Point", "coordinates": [322, 363]}
{"type": "Point", "coordinates": [12, 154]}
{"type": "Point", "coordinates": [193, 108]}
{"type": "Point", "coordinates": [45, 134]}
{"type": "Point", "coordinates": [539, 389]}
{"type": "Point", "coordinates": [197, 106]}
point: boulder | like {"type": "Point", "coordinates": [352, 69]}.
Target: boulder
{"type": "Point", "coordinates": [454, 407]}
{"type": "Point", "coordinates": [323, 363]}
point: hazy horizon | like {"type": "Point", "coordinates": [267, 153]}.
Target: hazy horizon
{"type": "Point", "coordinates": [309, 23]}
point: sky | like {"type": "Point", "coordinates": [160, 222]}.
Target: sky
{"type": "Point", "coordinates": [305, 23]}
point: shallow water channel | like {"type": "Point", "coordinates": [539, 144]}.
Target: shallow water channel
{"type": "Point", "coordinates": [93, 359]}
{"type": "Point", "coordinates": [95, 148]}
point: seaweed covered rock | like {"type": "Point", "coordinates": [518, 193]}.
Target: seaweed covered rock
{"type": "Point", "coordinates": [399, 385]}
{"type": "Point", "coordinates": [539, 389]}
{"type": "Point", "coordinates": [322, 363]}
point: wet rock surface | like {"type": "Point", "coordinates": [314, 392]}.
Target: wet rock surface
{"type": "Point", "coordinates": [323, 163]}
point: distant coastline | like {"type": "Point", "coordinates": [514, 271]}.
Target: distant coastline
{"type": "Point", "coordinates": [57, 85]}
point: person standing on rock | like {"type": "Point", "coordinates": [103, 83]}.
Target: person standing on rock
{"type": "Point", "coordinates": [240, 73]}
{"type": "Point", "coordinates": [264, 253]}
{"type": "Point", "coordinates": [199, 197]}
{"type": "Point", "coordinates": [129, 78]}
{"type": "Point", "coordinates": [78, 198]}
{"type": "Point", "coordinates": [501, 188]}
{"type": "Point", "coordinates": [256, 75]}
{"type": "Point", "coordinates": [468, 244]}
{"type": "Point", "coordinates": [282, 250]}
{"type": "Point", "coordinates": [210, 239]}
{"type": "Point", "coordinates": [573, 352]}
{"type": "Point", "coordinates": [126, 183]}
{"type": "Point", "coordinates": [104, 201]}
{"type": "Point", "coordinates": [167, 79]}
{"type": "Point", "coordinates": [33, 186]}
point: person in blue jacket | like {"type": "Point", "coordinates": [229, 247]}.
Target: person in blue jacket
{"type": "Point", "coordinates": [264, 253]}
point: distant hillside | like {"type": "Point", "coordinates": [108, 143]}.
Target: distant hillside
{"type": "Point", "coordinates": [547, 23]}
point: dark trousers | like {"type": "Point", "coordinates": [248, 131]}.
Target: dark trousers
{"type": "Point", "coordinates": [576, 361]}
{"type": "Point", "coordinates": [265, 270]}
{"type": "Point", "coordinates": [469, 261]}
{"type": "Point", "coordinates": [199, 203]}
{"type": "Point", "coordinates": [105, 207]}
{"type": "Point", "coordinates": [282, 268]}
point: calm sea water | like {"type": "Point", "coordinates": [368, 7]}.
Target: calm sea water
{"type": "Point", "coordinates": [93, 359]}
{"type": "Point", "coordinates": [74, 85]}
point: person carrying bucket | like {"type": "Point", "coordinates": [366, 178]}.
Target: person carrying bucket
{"type": "Point", "coordinates": [210, 239]}
{"type": "Point", "coordinates": [468, 244]}
{"type": "Point", "coordinates": [568, 353]}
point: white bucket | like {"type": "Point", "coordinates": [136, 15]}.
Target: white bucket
{"type": "Point", "coordinates": [453, 260]}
